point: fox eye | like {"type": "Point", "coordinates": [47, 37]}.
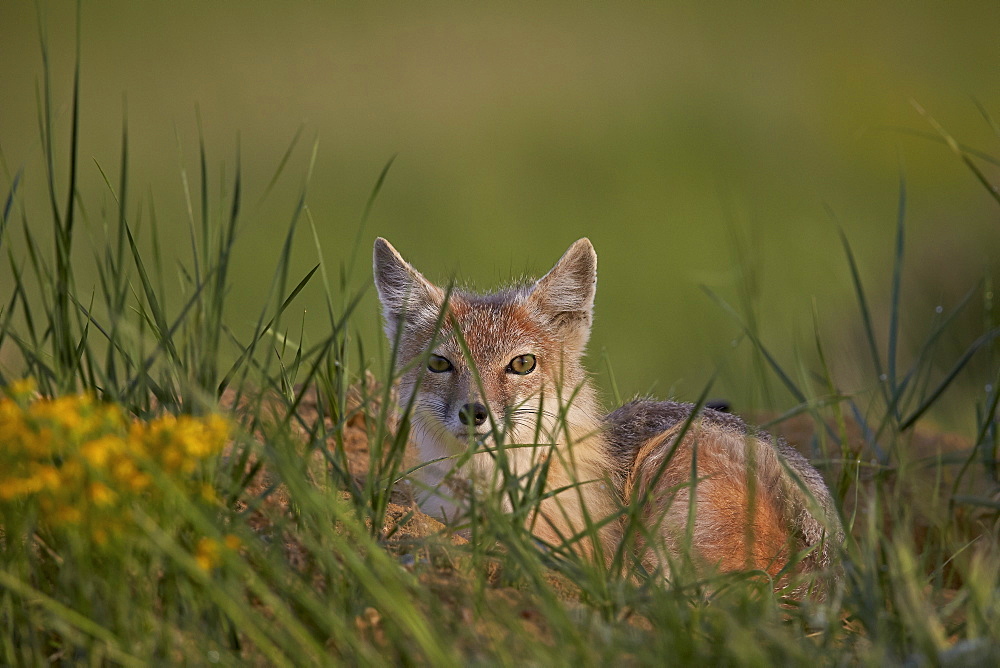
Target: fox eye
{"type": "Point", "coordinates": [522, 365]}
{"type": "Point", "coordinates": [439, 364]}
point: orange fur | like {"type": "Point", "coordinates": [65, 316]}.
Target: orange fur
{"type": "Point", "coordinates": [729, 532]}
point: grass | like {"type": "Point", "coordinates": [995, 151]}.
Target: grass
{"type": "Point", "coordinates": [299, 555]}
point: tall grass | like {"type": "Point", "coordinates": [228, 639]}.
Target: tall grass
{"type": "Point", "coordinates": [297, 557]}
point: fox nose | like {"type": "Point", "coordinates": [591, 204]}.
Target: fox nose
{"type": "Point", "coordinates": [472, 414]}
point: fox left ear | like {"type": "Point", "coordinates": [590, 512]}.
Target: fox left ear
{"type": "Point", "coordinates": [406, 296]}
{"type": "Point", "coordinates": [565, 295]}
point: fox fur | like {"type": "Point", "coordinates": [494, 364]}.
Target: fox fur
{"type": "Point", "coordinates": [463, 361]}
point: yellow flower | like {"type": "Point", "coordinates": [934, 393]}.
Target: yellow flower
{"type": "Point", "coordinates": [100, 494]}
{"type": "Point", "coordinates": [49, 477]}
{"type": "Point", "coordinates": [173, 459]}
{"type": "Point", "coordinates": [72, 471]}
{"type": "Point", "coordinates": [78, 460]}
{"type": "Point", "coordinates": [207, 553]}
{"type": "Point", "coordinates": [23, 387]}
{"type": "Point", "coordinates": [12, 488]}
{"type": "Point", "coordinates": [38, 443]}
{"type": "Point", "coordinates": [139, 482]}
{"type": "Point", "coordinates": [98, 451]}
{"type": "Point", "coordinates": [67, 514]}
{"type": "Point", "coordinates": [208, 493]}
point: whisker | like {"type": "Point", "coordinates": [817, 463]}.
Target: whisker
{"type": "Point", "coordinates": [544, 413]}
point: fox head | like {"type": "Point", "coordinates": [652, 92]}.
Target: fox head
{"type": "Point", "coordinates": [474, 363]}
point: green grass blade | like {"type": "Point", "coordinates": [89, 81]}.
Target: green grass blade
{"type": "Point", "coordinates": [988, 117]}
{"type": "Point", "coordinates": [165, 335]}
{"type": "Point", "coordinates": [31, 596]}
{"type": "Point", "coordinates": [987, 424]}
{"type": "Point", "coordinates": [114, 342]}
{"type": "Point", "coordinates": [897, 272]}
{"type": "Point", "coordinates": [907, 386]}
{"type": "Point", "coordinates": [203, 171]}
{"type": "Point", "coordinates": [616, 394]}
{"type": "Point", "coordinates": [29, 321]}
{"type": "Point", "coordinates": [157, 252]}
{"type": "Point", "coordinates": [281, 165]}
{"type": "Point", "coordinates": [772, 362]}
{"type": "Point", "coordinates": [993, 190]}
{"type": "Point", "coordinates": [159, 315]}
{"type": "Point", "coordinates": [356, 248]}
{"type": "Point", "coordinates": [262, 331]}
{"type": "Point", "coordinates": [327, 292]}
{"type": "Point", "coordinates": [965, 148]}
{"type": "Point", "coordinates": [263, 635]}
{"type": "Point", "coordinates": [9, 204]}
{"type": "Point", "coordinates": [45, 121]}
{"type": "Point", "coordinates": [7, 314]}
{"type": "Point", "coordinates": [74, 145]}
{"type": "Point", "coordinates": [949, 377]}
{"type": "Point", "coordinates": [866, 317]}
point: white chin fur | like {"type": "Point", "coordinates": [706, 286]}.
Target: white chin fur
{"type": "Point", "coordinates": [443, 487]}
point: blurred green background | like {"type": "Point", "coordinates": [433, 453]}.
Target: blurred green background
{"type": "Point", "coordinates": [708, 144]}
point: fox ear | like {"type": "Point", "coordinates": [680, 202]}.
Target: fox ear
{"type": "Point", "coordinates": [565, 295]}
{"type": "Point", "coordinates": [405, 294]}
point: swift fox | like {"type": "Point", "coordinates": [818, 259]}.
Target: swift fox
{"type": "Point", "coordinates": [477, 366]}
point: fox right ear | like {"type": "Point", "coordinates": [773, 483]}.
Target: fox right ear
{"type": "Point", "coordinates": [565, 295]}
{"type": "Point", "coordinates": [405, 294]}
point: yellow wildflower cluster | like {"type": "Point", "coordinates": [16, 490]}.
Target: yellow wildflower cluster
{"type": "Point", "coordinates": [80, 461]}
{"type": "Point", "coordinates": [208, 552]}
